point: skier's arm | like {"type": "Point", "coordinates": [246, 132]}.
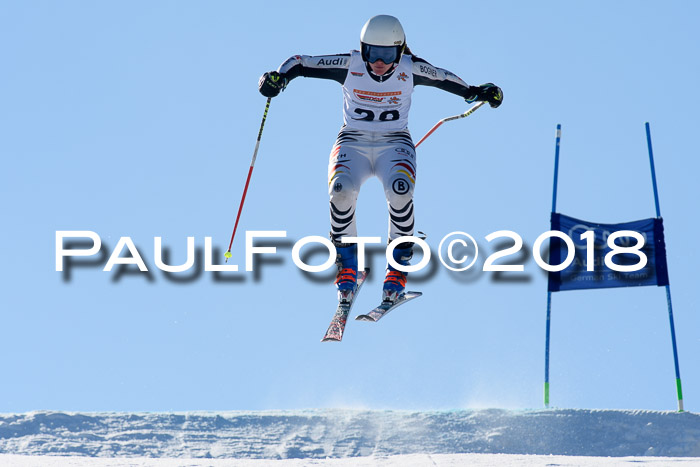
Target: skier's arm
{"type": "Point", "coordinates": [333, 67]}
{"type": "Point", "coordinates": [425, 74]}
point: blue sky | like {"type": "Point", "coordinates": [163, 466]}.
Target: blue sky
{"type": "Point", "coordinates": [139, 119]}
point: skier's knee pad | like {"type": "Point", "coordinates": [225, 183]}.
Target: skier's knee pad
{"type": "Point", "coordinates": [342, 192]}
{"type": "Point", "coordinates": [400, 190]}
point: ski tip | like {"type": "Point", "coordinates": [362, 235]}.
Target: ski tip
{"type": "Point", "coordinates": [331, 339]}
{"type": "Point", "coordinates": [364, 318]}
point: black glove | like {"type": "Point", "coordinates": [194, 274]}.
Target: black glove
{"type": "Point", "coordinates": [488, 92]}
{"type": "Point", "coordinates": [271, 84]}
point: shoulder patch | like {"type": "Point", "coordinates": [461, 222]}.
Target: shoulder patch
{"type": "Point", "coordinates": [332, 61]}
{"type": "Point", "coordinates": [428, 70]}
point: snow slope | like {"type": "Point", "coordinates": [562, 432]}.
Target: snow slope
{"type": "Point", "coordinates": [408, 460]}
{"type": "Point", "coordinates": [321, 434]}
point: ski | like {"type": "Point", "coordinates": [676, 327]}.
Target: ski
{"type": "Point", "coordinates": [377, 314]}
{"type": "Point", "coordinates": [340, 318]}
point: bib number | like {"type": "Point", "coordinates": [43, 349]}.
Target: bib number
{"type": "Point", "coordinates": [386, 116]}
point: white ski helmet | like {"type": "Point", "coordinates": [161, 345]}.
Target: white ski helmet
{"type": "Point", "coordinates": [383, 38]}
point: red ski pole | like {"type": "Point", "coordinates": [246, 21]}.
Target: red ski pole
{"type": "Point", "coordinates": [455, 117]}
{"type": "Point", "coordinates": [247, 182]}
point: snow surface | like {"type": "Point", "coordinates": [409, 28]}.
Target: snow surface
{"type": "Point", "coordinates": [351, 438]}
{"type": "Point", "coordinates": [409, 460]}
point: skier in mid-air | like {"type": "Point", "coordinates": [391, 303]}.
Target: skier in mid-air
{"type": "Point", "coordinates": [377, 85]}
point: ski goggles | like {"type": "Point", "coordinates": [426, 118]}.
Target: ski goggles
{"type": "Point", "coordinates": [387, 54]}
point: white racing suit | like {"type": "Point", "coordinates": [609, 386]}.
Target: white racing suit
{"type": "Point", "coordinates": [374, 140]}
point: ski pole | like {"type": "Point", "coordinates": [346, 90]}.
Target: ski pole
{"type": "Point", "coordinates": [455, 117]}
{"type": "Point", "coordinates": [247, 182]}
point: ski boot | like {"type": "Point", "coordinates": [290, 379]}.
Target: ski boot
{"type": "Point", "coordinates": [346, 279]}
{"type": "Point", "coordinates": [395, 281]}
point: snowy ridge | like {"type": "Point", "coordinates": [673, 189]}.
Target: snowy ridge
{"type": "Point", "coordinates": [337, 433]}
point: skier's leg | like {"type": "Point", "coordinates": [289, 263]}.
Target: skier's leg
{"type": "Point", "coordinates": [348, 168]}
{"type": "Point", "coordinates": [396, 168]}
